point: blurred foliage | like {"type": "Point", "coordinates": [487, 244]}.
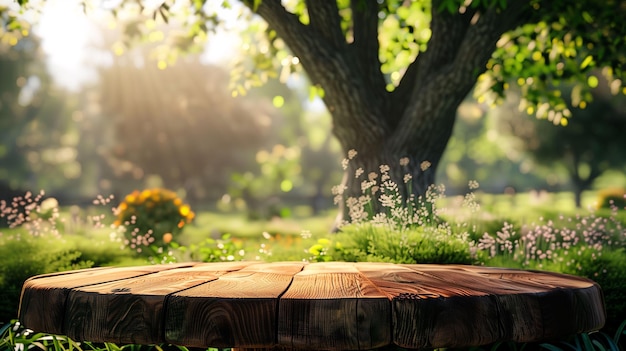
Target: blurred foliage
{"type": "Point", "coordinates": [26, 256]}
{"type": "Point", "coordinates": [589, 144]}
{"type": "Point", "coordinates": [477, 151]}
{"type": "Point", "coordinates": [152, 217]}
{"type": "Point", "coordinates": [226, 248]}
{"type": "Point", "coordinates": [609, 198]}
{"type": "Point", "coordinates": [300, 167]}
{"type": "Point", "coordinates": [36, 130]}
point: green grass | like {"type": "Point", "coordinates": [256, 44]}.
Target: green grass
{"type": "Point", "coordinates": [236, 224]}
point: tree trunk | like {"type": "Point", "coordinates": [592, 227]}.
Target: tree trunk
{"type": "Point", "coordinates": [580, 183]}
{"type": "Point", "coordinates": [411, 163]}
{"type": "Point", "coordinates": [414, 121]}
{"type": "Point", "coordinates": [578, 194]}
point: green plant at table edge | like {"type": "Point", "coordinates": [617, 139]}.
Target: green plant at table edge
{"type": "Point", "coordinates": [13, 336]}
{"type": "Point", "coordinates": [596, 341]}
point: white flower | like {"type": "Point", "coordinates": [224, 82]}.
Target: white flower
{"type": "Point", "coordinates": [337, 199]}
{"type": "Point", "coordinates": [407, 178]}
{"type": "Point", "coordinates": [425, 165]}
{"type": "Point", "coordinates": [364, 199]}
{"type": "Point", "coordinates": [338, 189]}
{"type": "Point", "coordinates": [351, 202]}
{"type": "Point", "coordinates": [404, 161]}
{"type": "Point", "coordinates": [305, 234]}
{"type": "Point", "coordinates": [387, 200]}
{"type": "Point", "coordinates": [351, 154]}
{"type": "Point", "coordinates": [358, 172]}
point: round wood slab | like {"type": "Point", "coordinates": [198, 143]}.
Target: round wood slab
{"type": "Point", "coordinates": [323, 306]}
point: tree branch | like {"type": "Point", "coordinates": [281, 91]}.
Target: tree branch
{"type": "Point", "coordinates": [332, 69]}
{"type": "Point", "coordinates": [457, 54]}
{"type": "Point", "coordinates": [480, 41]}
{"type": "Point", "coordinates": [325, 19]}
{"type": "Point", "coordinates": [448, 31]}
{"type": "Point", "coordinates": [313, 51]}
{"type": "Point", "coordinates": [366, 46]}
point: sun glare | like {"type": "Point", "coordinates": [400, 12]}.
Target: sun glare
{"type": "Point", "coordinates": [69, 41]}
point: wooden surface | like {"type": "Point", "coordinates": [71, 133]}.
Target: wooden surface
{"type": "Point", "coordinates": [322, 306]}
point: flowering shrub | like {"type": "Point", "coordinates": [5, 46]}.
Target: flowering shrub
{"type": "Point", "coordinates": [152, 216]}
{"type": "Point", "coordinates": [387, 222]}
{"type": "Point", "coordinates": [385, 203]}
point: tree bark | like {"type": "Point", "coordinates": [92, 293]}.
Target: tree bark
{"type": "Point", "coordinates": [415, 121]}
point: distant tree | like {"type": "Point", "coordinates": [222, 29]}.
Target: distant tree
{"type": "Point", "coordinates": [38, 149]}
{"type": "Point", "coordinates": [19, 104]}
{"type": "Point", "coordinates": [591, 142]}
{"type": "Point", "coordinates": [180, 124]}
{"type": "Point", "coordinates": [393, 73]}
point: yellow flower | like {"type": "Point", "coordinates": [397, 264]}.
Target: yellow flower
{"type": "Point", "coordinates": [184, 210]}
{"type": "Point", "coordinates": [156, 197]}
{"type": "Point", "coordinates": [122, 207]}
{"type": "Point", "coordinates": [132, 197]}
{"type": "Point", "coordinates": [145, 194]}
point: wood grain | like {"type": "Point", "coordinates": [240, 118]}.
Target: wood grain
{"type": "Point", "coordinates": [458, 306]}
{"type": "Point", "coordinates": [42, 303]}
{"type": "Point", "coordinates": [131, 310]}
{"type": "Point", "coordinates": [237, 310]}
{"type": "Point", "coordinates": [333, 306]}
{"type": "Point", "coordinates": [295, 305]}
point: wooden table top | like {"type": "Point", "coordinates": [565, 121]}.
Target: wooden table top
{"type": "Point", "coordinates": [323, 306]}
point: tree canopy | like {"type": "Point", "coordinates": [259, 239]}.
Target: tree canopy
{"type": "Point", "coordinates": [548, 41]}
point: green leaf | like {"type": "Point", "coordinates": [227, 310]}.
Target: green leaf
{"type": "Point", "coordinates": [551, 347]}
{"type": "Point", "coordinates": [255, 5]}
{"type": "Point", "coordinates": [620, 331]}
{"type": "Point", "coordinates": [316, 91]}
{"type": "Point", "coordinates": [451, 6]}
{"type": "Point", "coordinates": [587, 341]}
{"type": "Point", "coordinates": [586, 62]}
